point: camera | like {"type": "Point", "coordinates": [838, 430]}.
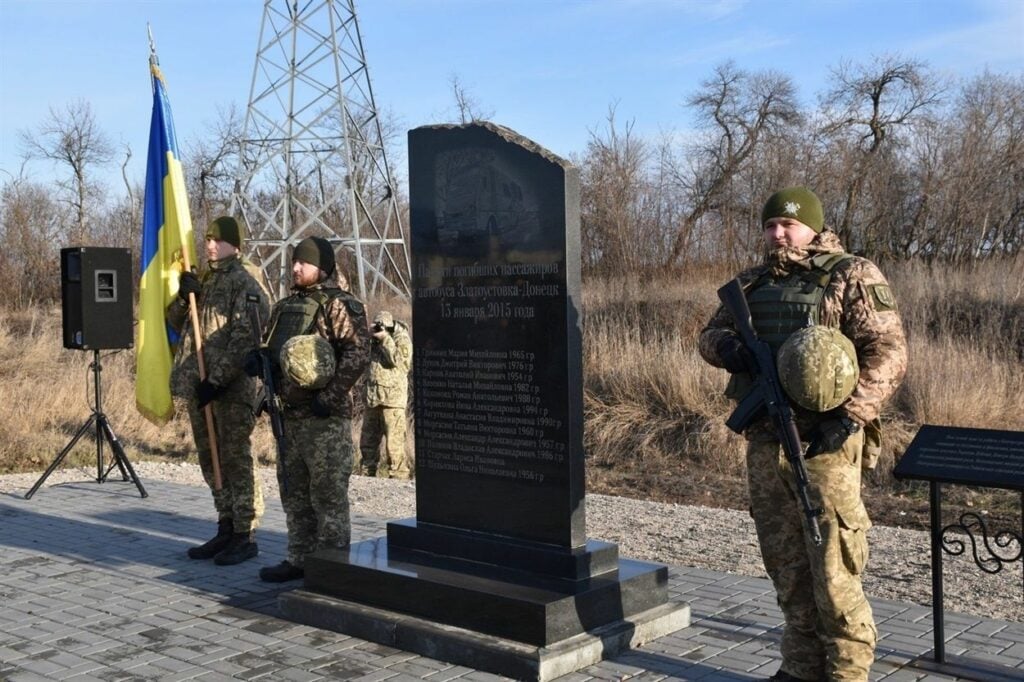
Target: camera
{"type": "Point", "coordinates": [377, 327]}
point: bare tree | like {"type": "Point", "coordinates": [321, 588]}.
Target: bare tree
{"type": "Point", "coordinates": [124, 173]}
{"type": "Point", "coordinates": [624, 204]}
{"type": "Point", "coordinates": [865, 109]}
{"type": "Point", "coordinates": [72, 138]}
{"type": "Point", "coordinates": [30, 231]}
{"type": "Point", "coordinates": [466, 104]}
{"type": "Point", "coordinates": [209, 166]}
{"type": "Point", "coordinates": [739, 112]}
{"type": "Point", "coordinates": [976, 199]}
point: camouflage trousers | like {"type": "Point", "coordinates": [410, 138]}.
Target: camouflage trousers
{"type": "Point", "coordinates": [314, 476]}
{"type": "Point", "coordinates": [387, 423]}
{"type": "Point", "coordinates": [830, 631]}
{"type": "Point", "coordinates": [241, 495]}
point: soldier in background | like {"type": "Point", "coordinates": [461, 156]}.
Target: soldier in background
{"type": "Point", "coordinates": [226, 335]}
{"type": "Point", "coordinates": [807, 278]}
{"type": "Point", "coordinates": [314, 472]}
{"type": "Point", "coordinates": [387, 393]}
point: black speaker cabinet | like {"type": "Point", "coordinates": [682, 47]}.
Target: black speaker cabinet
{"type": "Point", "coordinates": [96, 297]}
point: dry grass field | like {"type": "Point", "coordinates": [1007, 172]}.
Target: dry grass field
{"type": "Point", "coordinates": [654, 411]}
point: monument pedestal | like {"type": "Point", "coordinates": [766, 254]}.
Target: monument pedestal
{"type": "Point", "coordinates": [493, 617]}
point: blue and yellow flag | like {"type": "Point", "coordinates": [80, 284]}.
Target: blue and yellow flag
{"type": "Point", "coordinates": [167, 248]}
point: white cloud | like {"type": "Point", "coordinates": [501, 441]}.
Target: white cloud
{"type": "Point", "coordinates": [996, 41]}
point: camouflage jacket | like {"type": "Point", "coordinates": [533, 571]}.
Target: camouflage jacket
{"type": "Point", "coordinates": [227, 333]}
{"type": "Point", "coordinates": [342, 321]}
{"type": "Point", "coordinates": [859, 303]}
{"type": "Point", "coordinates": [390, 359]}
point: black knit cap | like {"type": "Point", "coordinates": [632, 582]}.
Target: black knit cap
{"type": "Point", "coordinates": [315, 251]}
{"type": "Point", "coordinates": [226, 229]}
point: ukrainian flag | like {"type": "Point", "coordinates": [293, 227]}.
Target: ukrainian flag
{"type": "Point", "coordinates": [167, 248]}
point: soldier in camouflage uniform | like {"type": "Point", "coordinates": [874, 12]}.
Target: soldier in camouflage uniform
{"type": "Point", "coordinates": [387, 392]}
{"type": "Point", "coordinates": [226, 335]}
{"type": "Point", "coordinates": [807, 278]}
{"type": "Point", "coordinates": [317, 463]}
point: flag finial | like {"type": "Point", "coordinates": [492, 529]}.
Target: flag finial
{"type": "Point", "coordinates": [152, 46]}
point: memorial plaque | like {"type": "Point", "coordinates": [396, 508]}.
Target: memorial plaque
{"type": "Point", "coordinates": [495, 570]}
{"type": "Point", "coordinates": [498, 375]}
{"type": "Point", "coordinates": [982, 457]}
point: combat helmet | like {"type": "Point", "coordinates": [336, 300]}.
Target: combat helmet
{"type": "Point", "coordinates": [818, 368]}
{"type": "Point", "coordinates": [308, 360]}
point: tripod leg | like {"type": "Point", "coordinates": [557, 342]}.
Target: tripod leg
{"type": "Point", "coordinates": [63, 453]}
{"type": "Point", "coordinates": [102, 426]}
{"type": "Point", "coordinates": [119, 455]}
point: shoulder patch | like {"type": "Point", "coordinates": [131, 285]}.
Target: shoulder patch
{"type": "Point", "coordinates": [882, 297]}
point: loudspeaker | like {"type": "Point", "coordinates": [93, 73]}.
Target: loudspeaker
{"type": "Point", "coordinates": [96, 297]}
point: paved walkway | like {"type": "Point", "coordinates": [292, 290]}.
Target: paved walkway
{"type": "Point", "coordinates": [95, 585]}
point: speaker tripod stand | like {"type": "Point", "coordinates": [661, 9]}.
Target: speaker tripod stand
{"type": "Point", "coordinates": [103, 431]}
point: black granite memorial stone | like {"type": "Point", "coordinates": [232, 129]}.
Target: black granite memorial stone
{"type": "Point", "coordinates": [498, 546]}
{"type": "Point", "coordinates": [498, 388]}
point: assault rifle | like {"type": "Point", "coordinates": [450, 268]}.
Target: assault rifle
{"type": "Point", "coordinates": [269, 400]}
{"type": "Point", "coordinates": [767, 395]}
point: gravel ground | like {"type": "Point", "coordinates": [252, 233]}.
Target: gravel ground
{"type": "Point", "coordinates": [704, 537]}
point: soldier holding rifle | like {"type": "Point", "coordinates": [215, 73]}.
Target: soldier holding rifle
{"type": "Point", "coordinates": [225, 336]}
{"type": "Point", "coordinates": [823, 327]}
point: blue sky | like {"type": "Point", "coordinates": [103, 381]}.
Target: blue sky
{"type": "Point", "coordinates": [547, 68]}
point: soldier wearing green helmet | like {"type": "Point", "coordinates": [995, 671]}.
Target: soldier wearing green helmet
{"type": "Point", "coordinates": [832, 320]}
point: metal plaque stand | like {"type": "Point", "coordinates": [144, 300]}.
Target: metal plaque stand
{"type": "Point", "coordinates": [963, 456]}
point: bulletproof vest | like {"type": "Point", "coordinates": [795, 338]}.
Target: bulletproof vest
{"type": "Point", "coordinates": [294, 316]}
{"type": "Point", "coordinates": [779, 308]}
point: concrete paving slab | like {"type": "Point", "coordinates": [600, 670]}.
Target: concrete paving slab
{"type": "Point", "coordinates": [95, 585]}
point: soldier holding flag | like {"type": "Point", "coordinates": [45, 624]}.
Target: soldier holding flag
{"type": "Point", "coordinates": [226, 333]}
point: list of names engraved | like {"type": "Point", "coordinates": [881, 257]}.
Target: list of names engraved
{"type": "Point", "coordinates": [484, 413]}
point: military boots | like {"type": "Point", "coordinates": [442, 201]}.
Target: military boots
{"type": "Point", "coordinates": [218, 542]}
{"type": "Point", "coordinates": [781, 676]}
{"type": "Point", "coordinates": [240, 547]}
{"type": "Point", "coordinates": [281, 573]}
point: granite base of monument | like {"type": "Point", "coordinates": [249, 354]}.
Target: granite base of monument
{"type": "Point", "coordinates": [439, 639]}
{"type": "Point", "coordinates": [491, 615]}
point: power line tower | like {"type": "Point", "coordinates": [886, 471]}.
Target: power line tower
{"type": "Point", "coordinates": [311, 157]}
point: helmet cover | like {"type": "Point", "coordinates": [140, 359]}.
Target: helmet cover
{"type": "Point", "coordinates": [818, 368]}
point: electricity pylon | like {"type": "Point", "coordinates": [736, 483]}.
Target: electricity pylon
{"type": "Point", "coordinates": [311, 156]}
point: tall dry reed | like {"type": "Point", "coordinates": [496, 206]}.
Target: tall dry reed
{"type": "Point", "coordinates": [652, 405]}
{"type": "Point", "coordinates": [651, 399]}
{"type": "Point", "coordinates": [47, 392]}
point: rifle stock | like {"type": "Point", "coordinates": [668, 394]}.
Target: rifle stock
{"type": "Point", "coordinates": [270, 402]}
{"type": "Point", "coordinates": [767, 395]}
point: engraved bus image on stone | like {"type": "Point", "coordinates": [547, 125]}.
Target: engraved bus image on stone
{"type": "Point", "coordinates": [495, 314]}
{"type": "Point", "coordinates": [480, 197]}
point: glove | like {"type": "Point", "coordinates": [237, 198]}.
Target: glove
{"type": "Point", "coordinates": [207, 392]}
{"type": "Point", "coordinates": [830, 435]}
{"type": "Point", "coordinates": [252, 364]}
{"type": "Point", "coordinates": [188, 283]}
{"type": "Point", "coordinates": [735, 355]}
{"type": "Point", "coordinates": [319, 406]}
